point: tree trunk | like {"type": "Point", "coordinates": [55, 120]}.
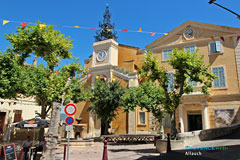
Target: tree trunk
{"type": "Point", "coordinates": [52, 135]}
{"type": "Point", "coordinates": [106, 128]}
{"type": "Point", "coordinates": [43, 116]}
{"type": "Point", "coordinates": [173, 126]}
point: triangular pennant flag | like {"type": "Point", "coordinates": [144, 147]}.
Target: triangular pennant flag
{"type": "Point", "coordinates": [5, 22]}
{"type": "Point", "coordinates": [139, 80]}
{"type": "Point", "coordinates": [9, 103]}
{"type": "Point", "coordinates": [121, 79]}
{"type": "Point", "coordinates": [238, 38]}
{"type": "Point", "coordinates": [23, 24]}
{"type": "Point", "coordinates": [140, 29]}
{"type": "Point", "coordinates": [230, 38]}
{"type": "Point", "coordinates": [108, 29]}
{"type": "Point", "coordinates": [2, 102]}
{"type": "Point", "coordinates": [113, 79]}
{"type": "Point", "coordinates": [152, 33]}
{"type": "Point", "coordinates": [124, 30]}
{"type": "Point", "coordinates": [222, 38]}
{"type": "Point", "coordinates": [105, 78]}
{"type": "Point", "coordinates": [14, 103]}
{"type": "Point", "coordinates": [59, 25]}
{"type": "Point", "coordinates": [97, 77]}
{"type": "Point", "coordinates": [165, 34]}
{"type": "Point", "coordinates": [131, 80]}
{"type": "Point", "coordinates": [42, 25]}
{"type": "Point", "coordinates": [212, 38]}
{"type": "Point", "coordinates": [92, 28]}
{"type": "Point", "coordinates": [76, 27]}
{"type": "Point", "coordinates": [89, 75]}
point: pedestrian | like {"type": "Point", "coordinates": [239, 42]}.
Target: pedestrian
{"type": "Point", "coordinates": [40, 147]}
{"type": "Point", "coordinates": [27, 144]}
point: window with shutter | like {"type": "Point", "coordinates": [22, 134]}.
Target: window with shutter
{"type": "Point", "coordinates": [17, 116]}
{"type": "Point", "coordinates": [220, 81]}
{"type": "Point", "coordinates": [191, 49]}
{"type": "Point", "coordinates": [165, 54]}
{"type": "Point", "coordinates": [215, 47]}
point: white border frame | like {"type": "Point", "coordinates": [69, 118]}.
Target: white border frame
{"type": "Point", "coordinates": [139, 123]}
{"type": "Point", "coordinates": [163, 54]}
{"type": "Point", "coordinates": [104, 57]}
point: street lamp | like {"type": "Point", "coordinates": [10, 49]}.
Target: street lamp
{"type": "Point", "coordinates": [213, 2]}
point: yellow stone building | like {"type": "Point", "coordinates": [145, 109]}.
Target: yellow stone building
{"type": "Point", "coordinates": [221, 51]}
{"type": "Point", "coordinates": [220, 47]}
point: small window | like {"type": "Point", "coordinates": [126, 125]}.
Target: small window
{"type": "Point", "coordinates": [193, 83]}
{"type": "Point", "coordinates": [191, 49]}
{"type": "Point", "coordinates": [220, 81]}
{"type": "Point", "coordinates": [215, 47]}
{"type": "Point", "coordinates": [142, 118]}
{"type": "Point", "coordinates": [165, 54]}
{"type": "Point", "coordinates": [17, 116]}
{"type": "Point", "coordinates": [170, 81]}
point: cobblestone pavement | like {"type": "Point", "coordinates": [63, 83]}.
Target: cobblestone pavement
{"type": "Point", "coordinates": [115, 152]}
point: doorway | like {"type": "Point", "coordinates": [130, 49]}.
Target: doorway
{"type": "Point", "coordinates": [194, 122]}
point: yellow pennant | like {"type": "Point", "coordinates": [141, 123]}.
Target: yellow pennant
{"type": "Point", "coordinates": [114, 79]}
{"type": "Point", "coordinates": [5, 22]}
{"type": "Point", "coordinates": [42, 25]}
{"type": "Point", "coordinates": [108, 29]}
{"type": "Point", "coordinates": [131, 80]}
{"type": "Point", "coordinates": [97, 77]}
{"type": "Point", "coordinates": [76, 27]}
{"type": "Point", "coordinates": [165, 34]}
{"type": "Point", "coordinates": [140, 29]}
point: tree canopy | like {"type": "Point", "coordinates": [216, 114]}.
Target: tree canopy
{"type": "Point", "coordinates": [106, 100]}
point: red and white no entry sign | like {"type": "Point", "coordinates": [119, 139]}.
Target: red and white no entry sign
{"type": "Point", "coordinates": [70, 109]}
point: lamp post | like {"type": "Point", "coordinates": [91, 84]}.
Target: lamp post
{"type": "Point", "coordinates": [213, 2]}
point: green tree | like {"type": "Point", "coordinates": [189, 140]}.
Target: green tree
{"type": "Point", "coordinates": [106, 101]}
{"type": "Point", "coordinates": [50, 86]}
{"type": "Point", "coordinates": [147, 95]}
{"type": "Point", "coordinates": [187, 67]}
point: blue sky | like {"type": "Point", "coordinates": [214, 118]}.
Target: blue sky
{"type": "Point", "coordinates": [152, 15]}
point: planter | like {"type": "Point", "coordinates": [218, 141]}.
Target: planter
{"type": "Point", "coordinates": [161, 145]}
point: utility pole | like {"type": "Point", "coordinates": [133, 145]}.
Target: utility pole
{"type": "Point", "coordinates": [213, 2]}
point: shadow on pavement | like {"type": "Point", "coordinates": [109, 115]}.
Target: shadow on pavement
{"type": "Point", "coordinates": [133, 150]}
{"type": "Point", "coordinates": [231, 153]}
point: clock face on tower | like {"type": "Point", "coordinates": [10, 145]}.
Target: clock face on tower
{"type": "Point", "coordinates": [101, 55]}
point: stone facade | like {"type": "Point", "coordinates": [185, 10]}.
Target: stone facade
{"type": "Point", "coordinates": [222, 101]}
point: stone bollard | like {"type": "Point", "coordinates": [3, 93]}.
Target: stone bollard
{"type": "Point", "coordinates": [168, 143]}
{"type": "Point", "coordinates": [105, 156]}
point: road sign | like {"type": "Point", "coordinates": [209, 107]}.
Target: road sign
{"type": "Point", "coordinates": [70, 109]}
{"type": "Point", "coordinates": [69, 128]}
{"type": "Point", "coordinates": [69, 120]}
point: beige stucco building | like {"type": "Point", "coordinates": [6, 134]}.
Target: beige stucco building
{"type": "Point", "coordinates": [220, 47]}
{"type": "Point", "coordinates": [16, 111]}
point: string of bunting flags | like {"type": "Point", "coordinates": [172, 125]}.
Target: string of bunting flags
{"type": "Point", "coordinates": [23, 24]}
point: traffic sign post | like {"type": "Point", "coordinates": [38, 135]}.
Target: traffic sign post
{"type": "Point", "coordinates": [70, 110]}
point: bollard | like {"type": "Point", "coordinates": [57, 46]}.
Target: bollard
{"type": "Point", "coordinates": [168, 143]}
{"type": "Point", "coordinates": [105, 156]}
{"type": "Point", "coordinates": [21, 154]}
{"type": "Point", "coordinates": [64, 152]}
